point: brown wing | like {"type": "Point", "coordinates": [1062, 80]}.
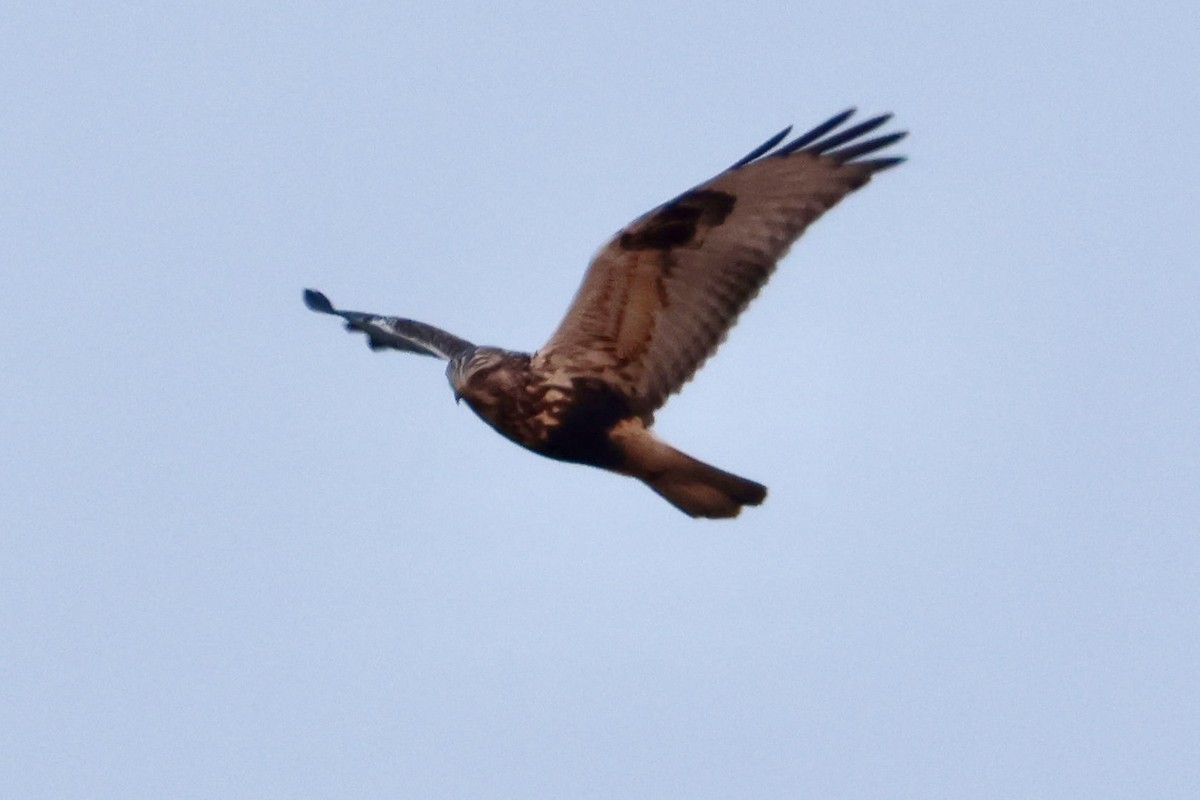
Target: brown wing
{"type": "Point", "coordinates": [660, 296]}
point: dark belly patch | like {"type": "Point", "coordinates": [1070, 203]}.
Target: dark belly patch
{"type": "Point", "coordinates": [584, 422]}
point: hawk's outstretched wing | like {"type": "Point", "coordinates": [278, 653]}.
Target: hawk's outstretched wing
{"type": "Point", "coordinates": [660, 296]}
{"type": "Point", "coordinates": [393, 333]}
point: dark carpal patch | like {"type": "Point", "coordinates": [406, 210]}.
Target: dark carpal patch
{"type": "Point", "coordinates": [679, 222]}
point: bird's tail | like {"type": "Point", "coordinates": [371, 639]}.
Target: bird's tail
{"type": "Point", "coordinates": [701, 490]}
{"type": "Point", "coordinates": [695, 488]}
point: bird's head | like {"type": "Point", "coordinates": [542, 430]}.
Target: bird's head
{"type": "Point", "coordinates": [463, 366]}
{"type": "Point", "coordinates": [456, 373]}
{"type": "Point", "coordinates": [481, 371]}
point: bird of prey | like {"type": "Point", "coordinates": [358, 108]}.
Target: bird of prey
{"type": "Point", "coordinates": [656, 302]}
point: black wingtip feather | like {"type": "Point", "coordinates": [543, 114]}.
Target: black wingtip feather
{"type": "Point", "coordinates": [318, 302]}
{"type": "Point", "coordinates": [854, 151]}
{"type": "Point", "coordinates": [849, 135]}
{"type": "Point", "coordinates": [765, 147]}
{"type": "Point", "coordinates": [880, 164]}
{"type": "Point", "coordinates": [816, 133]}
{"type": "Point", "coordinates": [822, 140]}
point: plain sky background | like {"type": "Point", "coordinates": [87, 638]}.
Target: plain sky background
{"type": "Point", "coordinates": [244, 557]}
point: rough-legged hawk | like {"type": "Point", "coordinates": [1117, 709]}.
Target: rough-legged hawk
{"type": "Point", "coordinates": [655, 303]}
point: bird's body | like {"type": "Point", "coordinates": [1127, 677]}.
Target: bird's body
{"type": "Point", "coordinates": [655, 303]}
{"type": "Point", "coordinates": [556, 415]}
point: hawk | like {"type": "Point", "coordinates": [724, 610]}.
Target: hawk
{"type": "Point", "coordinates": [656, 302]}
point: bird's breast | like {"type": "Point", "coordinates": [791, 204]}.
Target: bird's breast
{"type": "Point", "coordinates": [565, 420]}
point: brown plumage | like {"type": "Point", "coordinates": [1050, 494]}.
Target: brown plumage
{"type": "Point", "coordinates": [655, 303]}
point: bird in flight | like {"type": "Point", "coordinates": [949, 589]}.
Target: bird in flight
{"type": "Point", "coordinates": [655, 303]}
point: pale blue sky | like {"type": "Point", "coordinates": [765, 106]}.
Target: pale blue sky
{"type": "Point", "coordinates": [246, 558]}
